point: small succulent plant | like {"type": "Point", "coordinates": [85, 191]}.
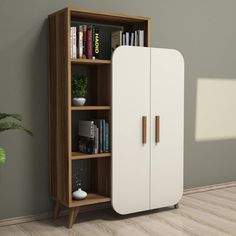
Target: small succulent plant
{"type": "Point", "coordinates": [79, 86]}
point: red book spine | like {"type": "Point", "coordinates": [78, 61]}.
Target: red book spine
{"type": "Point", "coordinates": [89, 44]}
{"type": "Point", "coordinates": [85, 41]}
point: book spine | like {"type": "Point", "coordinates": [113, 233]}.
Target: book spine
{"type": "Point", "coordinates": [107, 137]}
{"type": "Point", "coordinates": [80, 42]}
{"type": "Point", "coordinates": [100, 136]}
{"type": "Point", "coordinates": [84, 41]}
{"type": "Point", "coordinates": [74, 49]}
{"type": "Point", "coordinates": [93, 41]}
{"type": "Point", "coordinates": [136, 38]}
{"type": "Point", "coordinates": [123, 39]}
{"type": "Point", "coordinates": [89, 43]}
{"type": "Point", "coordinates": [141, 38]}
{"type": "Point", "coordinates": [95, 150]}
{"type": "Point", "coordinates": [97, 147]}
{"type": "Point", "coordinates": [127, 38]}
{"type": "Point", "coordinates": [71, 42]}
{"type": "Point", "coordinates": [103, 135]}
{"type": "Point", "coordinates": [121, 35]}
{"type": "Point", "coordinates": [116, 40]}
{"type": "Point", "coordinates": [132, 39]}
{"type": "Point", "coordinates": [96, 43]}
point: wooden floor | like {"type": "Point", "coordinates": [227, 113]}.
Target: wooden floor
{"type": "Point", "coordinates": [204, 214]}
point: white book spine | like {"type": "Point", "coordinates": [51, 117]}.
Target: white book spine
{"type": "Point", "coordinates": [141, 38]}
{"type": "Point", "coordinates": [74, 49]}
{"type": "Point", "coordinates": [123, 39]}
{"type": "Point", "coordinates": [80, 40]}
{"type": "Point", "coordinates": [71, 42]}
{"type": "Point", "coordinates": [127, 38]}
{"type": "Point", "coordinates": [132, 39]}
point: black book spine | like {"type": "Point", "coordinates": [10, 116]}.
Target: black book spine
{"type": "Point", "coordinates": [96, 43]}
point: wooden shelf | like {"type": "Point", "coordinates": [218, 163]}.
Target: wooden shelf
{"type": "Point", "coordinates": [63, 117]}
{"type": "Point", "coordinates": [90, 61]}
{"type": "Point", "coordinates": [90, 108]}
{"type": "Point", "coordinates": [79, 155]}
{"type": "Point", "coordinates": [92, 198]}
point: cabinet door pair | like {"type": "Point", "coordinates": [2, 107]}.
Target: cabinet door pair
{"type": "Point", "coordinates": [147, 128]}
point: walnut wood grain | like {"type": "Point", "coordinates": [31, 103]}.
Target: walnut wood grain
{"type": "Point", "coordinates": [157, 129]}
{"type": "Point", "coordinates": [61, 109]}
{"type": "Point", "coordinates": [144, 129]}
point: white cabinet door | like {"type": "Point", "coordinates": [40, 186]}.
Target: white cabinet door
{"type": "Point", "coordinates": [167, 103]}
{"type": "Point", "coordinates": [130, 102]}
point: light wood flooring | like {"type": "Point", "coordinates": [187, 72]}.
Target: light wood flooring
{"type": "Point", "coordinates": [204, 214]}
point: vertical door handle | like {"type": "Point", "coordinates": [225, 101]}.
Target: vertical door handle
{"type": "Point", "coordinates": [144, 129]}
{"type": "Point", "coordinates": [157, 129]}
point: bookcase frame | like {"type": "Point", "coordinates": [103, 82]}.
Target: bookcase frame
{"type": "Point", "coordinates": [60, 110]}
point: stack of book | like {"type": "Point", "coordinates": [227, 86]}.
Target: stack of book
{"type": "Point", "coordinates": [93, 136]}
{"type": "Point", "coordinates": [135, 38]}
{"type": "Point", "coordinates": [85, 42]}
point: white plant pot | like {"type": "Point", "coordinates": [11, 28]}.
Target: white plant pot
{"type": "Point", "coordinates": [79, 101]}
{"type": "Point", "coordinates": [79, 194]}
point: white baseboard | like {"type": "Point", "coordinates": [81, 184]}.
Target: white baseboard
{"type": "Point", "coordinates": [209, 187]}
{"type": "Point", "coordinates": [47, 215]}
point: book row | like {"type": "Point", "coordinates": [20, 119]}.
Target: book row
{"type": "Point", "coordinates": [135, 38]}
{"type": "Point", "coordinates": [93, 136]}
{"type": "Point", "coordinates": [85, 42]}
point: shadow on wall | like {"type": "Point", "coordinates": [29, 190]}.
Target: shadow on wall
{"type": "Point", "coordinates": [215, 109]}
{"type": "Point", "coordinates": [39, 115]}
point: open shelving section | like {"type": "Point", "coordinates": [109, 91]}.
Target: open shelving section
{"type": "Point", "coordinates": [64, 156]}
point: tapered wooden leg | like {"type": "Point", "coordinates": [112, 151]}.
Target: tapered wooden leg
{"type": "Point", "coordinates": [56, 210]}
{"type": "Point", "coordinates": [176, 206]}
{"type": "Point", "coordinates": [71, 218]}
{"type": "Point", "coordinates": [76, 213]}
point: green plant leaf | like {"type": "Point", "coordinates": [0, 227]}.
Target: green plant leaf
{"type": "Point", "coordinates": [2, 156]}
{"type": "Point", "coordinates": [15, 116]}
{"type": "Point", "coordinates": [79, 85]}
{"type": "Point", "coordinates": [12, 125]}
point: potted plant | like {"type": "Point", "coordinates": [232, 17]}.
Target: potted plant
{"type": "Point", "coordinates": [79, 89]}
{"type": "Point", "coordinates": [8, 125]}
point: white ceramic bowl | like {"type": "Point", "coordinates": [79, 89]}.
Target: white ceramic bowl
{"type": "Point", "coordinates": [79, 194]}
{"type": "Point", "coordinates": [79, 101]}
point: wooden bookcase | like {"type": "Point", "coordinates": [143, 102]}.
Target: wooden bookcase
{"type": "Point", "coordinates": [63, 116]}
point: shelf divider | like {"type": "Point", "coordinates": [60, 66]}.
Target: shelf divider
{"type": "Point", "coordinates": [80, 156]}
{"type": "Point", "coordinates": [90, 61]}
{"type": "Point", "coordinates": [87, 108]}
{"type": "Point", "coordinates": [92, 198]}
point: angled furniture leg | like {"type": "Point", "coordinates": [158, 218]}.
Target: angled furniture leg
{"type": "Point", "coordinates": [56, 210]}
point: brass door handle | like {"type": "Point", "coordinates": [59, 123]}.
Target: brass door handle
{"type": "Point", "coordinates": [157, 129]}
{"type": "Point", "coordinates": [144, 129]}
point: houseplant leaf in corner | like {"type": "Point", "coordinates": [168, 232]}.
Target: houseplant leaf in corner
{"type": "Point", "coordinates": [12, 125]}
{"type": "Point", "coordinates": [6, 115]}
{"type": "Point", "coordinates": [2, 156]}
{"type": "Point", "coordinates": [8, 125]}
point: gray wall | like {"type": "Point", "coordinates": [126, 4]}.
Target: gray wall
{"type": "Point", "coordinates": [204, 31]}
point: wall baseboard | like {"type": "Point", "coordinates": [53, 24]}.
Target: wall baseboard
{"type": "Point", "coordinates": [48, 215]}
{"type": "Point", "coordinates": [209, 188]}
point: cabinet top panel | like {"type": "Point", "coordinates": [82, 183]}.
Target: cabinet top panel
{"type": "Point", "coordinates": [98, 16]}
